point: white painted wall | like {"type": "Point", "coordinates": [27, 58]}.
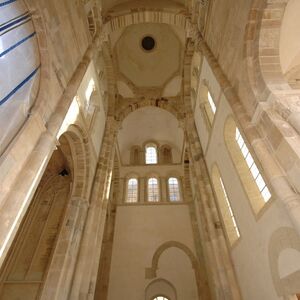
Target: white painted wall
{"type": "Point", "coordinates": [139, 231]}
{"type": "Point", "coordinates": [250, 254]}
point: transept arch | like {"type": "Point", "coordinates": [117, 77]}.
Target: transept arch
{"type": "Point", "coordinates": [137, 17]}
{"type": "Point", "coordinates": [200, 278]}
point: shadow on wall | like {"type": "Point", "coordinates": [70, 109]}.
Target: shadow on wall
{"type": "Point", "coordinates": [284, 259]}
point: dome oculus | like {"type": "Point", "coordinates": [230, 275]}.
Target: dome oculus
{"type": "Point", "coordinates": [148, 43]}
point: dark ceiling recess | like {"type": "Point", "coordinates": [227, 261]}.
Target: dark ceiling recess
{"type": "Point", "coordinates": [148, 43]}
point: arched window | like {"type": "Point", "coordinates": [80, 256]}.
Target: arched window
{"type": "Point", "coordinates": [132, 190]}
{"type": "Point", "coordinates": [151, 154]}
{"type": "Point", "coordinates": [226, 211]}
{"type": "Point", "coordinates": [88, 92]}
{"type": "Point", "coordinates": [165, 155]}
{"type": "Point", "coordinates": [174, 193]}
{"type": "Point", "coordinates": [252, 180]}
{"type": "Point", "coordinates": [153, 190]}
{"type": "Point", "coordinates": [252, 166]}
{"type": "Point", "coordinates": [160, 298]}
{"type": "Point", "coordinates": [207, 105]}
{"type": "Point", "coordinates": [135, 155]}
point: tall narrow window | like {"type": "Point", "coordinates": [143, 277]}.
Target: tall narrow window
{"type": "Point", "coordinates": [226, 211]}
{"type": "Point", "coordinates": [88, 92]}
{"type": "Point", "coordinates": [207, 105]}
{"type": "Point", "coordinates": [252, 166]}
{"type": "Point", "coordinates": [153, 190]}
{"type": "Point", "coordinates": [174, 193]}
{"type": "Point", "coordinates": [151, 154]}
{"type": "Point", "coordinates": [210, 108]}
{"type": "Point", "coordinates": [132, 190]}
{"type": "Point", "coordinates": [253, 182]}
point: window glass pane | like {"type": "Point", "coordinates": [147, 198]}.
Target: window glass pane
{"type": "Point", "coordinates": [151, 155]}
{"type": "Point", "coordinates": [254, 171]}
{"type": "Point", "coordinates": [89, 91]}
{"type": "Point", "coordinates": [266, 194]}
{"type": "Point", "coordinates": [132, 190]}
{"type": "Point", "coordinates": [153, 191]}
{"type": "Point", "coordinates": [244, 150]}
{"type": "Point", "coordinates": [229, 209]}
{"type": "Point", "coordinates": [252, 166]}
{"type": "Point", "coordinates": [260, 182]}
{"type": "Point", "coordinates": [174, 192]}
{"type": "Point", "coordinates": [211, 103]}
{"type": "Point", "coordinates": [249, 160]}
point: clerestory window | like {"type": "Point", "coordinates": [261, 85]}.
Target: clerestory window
{"type": "Point", "coordinates": [225, 208]}
{"type": "Point", "coordinates": [151, 154]}
{"type": "Point", "coordinates": [153, 190]}
{"type": "Point", "coordinates": [252, 180]}
{"type": "Point", "coordinates": [132, 190]}
{"type": "Point", "coordinates": [174, 192]}
{"type": "Point", "coordinates": [263, 189]}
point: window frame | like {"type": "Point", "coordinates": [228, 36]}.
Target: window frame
{"type": "Point", "coordinates": [224, 205]}
{"type": "Point", "coordinates": [207, 105]}
{"type": "Point", "coordinates": [248, 184]}
{"type": "Point", "coordinates": [158, 190]}
{"type": "Point", "coordinates": [178, 187]}
{"type": "Point", "coordinates": [151, 145]}
{"type": "Point", "coordinates": [127, 190]}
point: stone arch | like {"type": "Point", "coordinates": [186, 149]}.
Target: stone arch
{"type": "Point", "coordinates": [165, 154]}
{"type": "Point", "coordinates": [137, 17]}
{"type": "Point", "coordinates": [282, 239]}
{"type": "Point", "coordinates": [162, 286]}
{"type": "Point", "coordinates": [162, 103]}
{"type": "Point", "coordinates": [136, 155]}
{"type": "Point", "coordinates": [78, 141]}
{"type": "Point", "coordinates": [262, 51]}
{"type": "Point", "coordinates": [200, 279]}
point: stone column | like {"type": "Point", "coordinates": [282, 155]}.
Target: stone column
{"type": "Point", "coordinates": [142, 194]}
{"type": "Point", "coordinates": [223, 279]}
{"type": "Point", "coordinates": [85, 276]}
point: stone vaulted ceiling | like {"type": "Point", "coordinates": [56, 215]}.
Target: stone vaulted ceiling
{"type": "Point", "coordinates": [148, 68]}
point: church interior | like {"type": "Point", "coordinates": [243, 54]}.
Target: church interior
{"type": "Point", "coordinates": [149, 149]}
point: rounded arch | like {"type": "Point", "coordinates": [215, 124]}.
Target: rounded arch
{"type": "Point", "coordinates": [160, 287]}
{"type": "Point", "coordinates": [263, 53]}
{"type": "Point", "coordinates": [78, 141]}
{"type": "Point", "coordinates": [162, 103]}
{"type": "Point", "coordinates": [147, 16]}
{"type": "Point", "coordinates": [199, 273]}
{"type": "Point", "coordinates": [161, 249]}
{"type": "Point", "coordinates": [282, 239]}
{"type": "Point", "coordinates": [21, 37]}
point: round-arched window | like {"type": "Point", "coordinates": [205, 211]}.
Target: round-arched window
{"type": "Point", "coordinates": [161, 298]}
{"type": "Point", "coordinates": [151, 154]}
